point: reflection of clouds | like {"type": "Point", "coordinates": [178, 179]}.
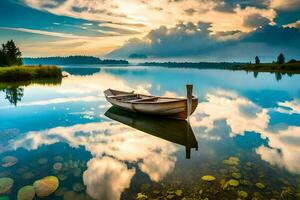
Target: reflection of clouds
{"type": "Point", "coordinates": [289, 107]}
{"type": "Point", "coordinates": [108, 139]}
{"type": "Point", "coordinates": [284, 148]}
{"type": "Point", "coordinates": [98, 83]}
{"type": "Point", "coordinates": [239, 113]}
{"type": "Point", "coordinates": [107, 178]}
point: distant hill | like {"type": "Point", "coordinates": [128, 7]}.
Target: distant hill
{"type": "Point", "coordinates": [71, 60]}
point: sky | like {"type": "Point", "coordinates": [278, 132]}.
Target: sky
{"type": "Point", "coordinates": [207, 30]}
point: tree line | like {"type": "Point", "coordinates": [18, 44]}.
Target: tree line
{"type": "Point", "coordinates": [10, 54]}
{"type": "Point", "coordinates": [280, 59]}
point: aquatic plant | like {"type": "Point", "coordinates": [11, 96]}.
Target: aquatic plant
{"type": "Point", "coordinates": [141, 196]}
{"type": "Point", "coordinates": [208, 178]}
{"type": "Point", "coordinates": [178, 192]}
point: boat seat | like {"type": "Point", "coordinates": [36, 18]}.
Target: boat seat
{"type": "Point", "coordinates": [122, 95]}
{"type": "Point", "coordinates": [141, 100]}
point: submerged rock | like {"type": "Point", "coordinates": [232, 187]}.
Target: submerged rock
{"type": "Point", "coordinates": [231, 183]}
{"type": "Point", "coordinates": [245, 182]}
{"type": "Point", "coordinates": [208, 178]}
{"type": "Point", "coordinates": [5, 185]}
{"type": "Point", "coordinates": [260, 185]}
{"type": "Point", "coordinates": [178, 192]}
{"type": "Point", "coordinates": [46, 186]}
{"type": "Point", "coordinates": [26, 193]}
{"type": "Point", "coordinates": [4, 198]}
{"type": "Point", "coordinates": [58, 158]}
{"type": "Point", "coordinates": [57, 166]}
{"type": "Point", "coordinates": [236, 175]}
{"type": "Point", "coordinates": [62, 177]}
{"type": "Point", "coordinates": [243, 194]}
{"type": "Point", "coordinates": [60, 191]}
{"type": "Point", "coordinates": [78, 187]}
{"type": "Point", "coordinates": [141, 196]}
{"type": "Point", "coordinates": [28, 175]}
{"type": "Point", "coordinates": [42, 161]}
{"type": "Point", "coordinates": [9, 161]}
{"type": "Point", "coordinates": [232, 161]}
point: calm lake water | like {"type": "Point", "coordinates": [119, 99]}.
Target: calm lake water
{"type": "Point", "coordinates": [245, 133]}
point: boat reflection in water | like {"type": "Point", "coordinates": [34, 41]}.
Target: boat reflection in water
{"type": "Point", "coordinates": [172, 130]}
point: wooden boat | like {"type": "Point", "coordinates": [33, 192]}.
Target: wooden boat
{"type": "Point", "coordinates": [172, 130]}
{"type": "Point", "coordinates": [179, 108]}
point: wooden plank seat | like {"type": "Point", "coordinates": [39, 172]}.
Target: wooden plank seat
{"type": "Point", "coordinates": [142, 100]}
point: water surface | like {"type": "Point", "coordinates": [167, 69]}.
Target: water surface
{"type": "Point", "coordinates": [246, 128]}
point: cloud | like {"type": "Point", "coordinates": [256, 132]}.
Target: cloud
{"type": "Point", "coordinates": [189, 39]}
{"type": "Point", "coordinates": [107, 178]}
{"type": "Point", "coordinates": [285, 4]}
{"type": "Point", "coordinates": [256, 20]}
{"type": "Point", "coordinates": [46, 33]}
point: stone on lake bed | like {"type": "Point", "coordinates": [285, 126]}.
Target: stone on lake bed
{"type": "Point", "coordinates": [57, 166]}
{"type": "Point", "coordinates": [232, 161]}
{"type": "Point", "coordinates": [243, 194]}
{"type": "Point", "coordinates": [58, 158]}
{"type": "Point", "coordinates": [26, 193]}
{"type": "Point", "coordinates": [46, 186]}
{"type": "Point", "coordinates": [232, 183]}
{"type": "Point", "coordinates": [5, 185]}
{"type": "Point", "coordinates": [236, 175]}
{"type": "Point", "coordinates": [208, 178]}
{"type": "Point", "coordinates": [260, 185]}
{"type": "Point", "coordinates": [28, 175]}
{"type": "Point", "coordinates": [78, 187]}
{"type": "Point", "coordinates": [62, 177]}
{"type": "Point", "coordinates": [42, 161]}
{"type": "Point", "coordinates": [9, 161]}
{"type": "Point", "coordinates": [178, 193]}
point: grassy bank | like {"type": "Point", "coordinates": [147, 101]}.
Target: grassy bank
{"type": "Point", "coordinates": [28, 73]}
{"type": "Point", "coordinates": [272, 67]}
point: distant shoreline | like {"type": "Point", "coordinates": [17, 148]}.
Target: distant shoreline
{"type": "Point", "coordinates": [293, 68]}
{"type": "Point", "coordinates": [72, 60]}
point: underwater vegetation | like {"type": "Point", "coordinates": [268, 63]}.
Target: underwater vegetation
{"type": "Point", "coordinates": [232, 179]}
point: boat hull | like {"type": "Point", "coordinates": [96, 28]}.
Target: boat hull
{"type": "Point", "coordinates": [172, 109]}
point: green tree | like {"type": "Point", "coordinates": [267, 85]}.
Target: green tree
{"type": "Point", "coordinates": [10, 54]}
{"type": "Point", "coordinates": [281, 59]}
{"type": "Point", "coordinates": [257, 61]}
